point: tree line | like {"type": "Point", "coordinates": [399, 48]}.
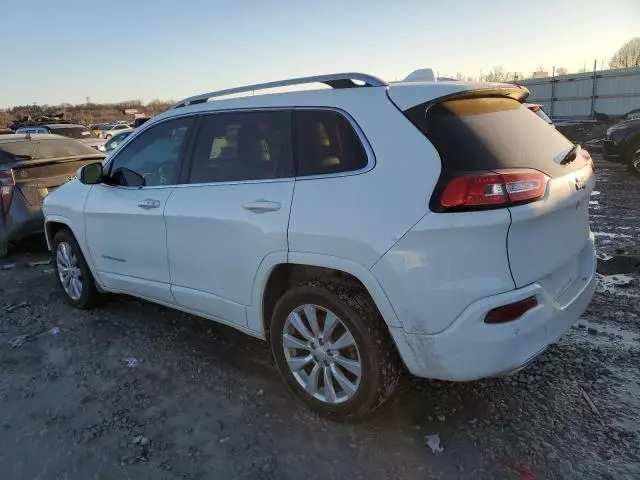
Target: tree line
{"type": "Point", "coordinates": [85, 113]}
{"type": "Point", "coordinates": [627, 56]}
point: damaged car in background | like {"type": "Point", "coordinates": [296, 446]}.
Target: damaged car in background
{"type": "Point", "coordinates": [70, 130]}
{"type": "Point", "coordinates": [622, 144]}
{"type": "Point", "coordinates": [31, 166]}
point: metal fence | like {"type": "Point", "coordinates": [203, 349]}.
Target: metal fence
{"type": "Point", "coordinates": [581, 95]}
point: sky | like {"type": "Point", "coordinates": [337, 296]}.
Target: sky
{"type": "Point", "coordinates": [116, 50]}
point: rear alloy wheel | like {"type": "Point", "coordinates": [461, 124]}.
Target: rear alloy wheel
{"type": "Point", "coordinates": [333, 349]}
{"type": "Point", "coordinates": [634, 159]}
{"type": "Point", "coordinates": [322, 354]}
{"type": "Point", "coordinates": [73, 273]}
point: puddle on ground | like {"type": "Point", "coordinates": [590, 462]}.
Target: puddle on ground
{"type": "Point", "coordinates": [618, 264]}
{"type": "Point", "coordinates": [624, 338]}
{"type": "Point", "coordinates": [611, 235]}
{"type": "Point", "coordinates": [615, 284]}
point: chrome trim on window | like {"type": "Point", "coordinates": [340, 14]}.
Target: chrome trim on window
{"type": "Point", "coordinates": [371, 160]}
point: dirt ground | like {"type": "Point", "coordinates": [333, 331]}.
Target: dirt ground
{"type": "Point", "coordinates": [135, 391]}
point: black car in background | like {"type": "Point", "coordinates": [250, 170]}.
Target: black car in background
{"type": "Point", "coordinates": [30, 167]}
{"type": "Point", "coordinates": [138, 122]}
{"type": "Point", "coordinates": [622, 144]}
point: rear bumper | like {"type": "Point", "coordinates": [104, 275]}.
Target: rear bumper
{"type": "Point", "coordinates": [22, 221]}
{"type": "Point", "coordinates": [471, 349]}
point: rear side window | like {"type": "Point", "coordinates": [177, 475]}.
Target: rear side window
{"type": "Point", "coordinates": [326, 143]}
{"type": "Point", "coordinates": [240, 146]}
{"type": "Point", "coordinates": [473, 134]}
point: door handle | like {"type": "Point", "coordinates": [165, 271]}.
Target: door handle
{"type": "Point", "coordinates": [262, 206]}
{"type": "Point", "coordinates": [148, 204]}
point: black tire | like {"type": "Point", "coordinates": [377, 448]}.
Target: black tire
{"type": "Point", "coordinates": [90, 295]}
{"type": "Point", "coordinates": [633, 158]}
{"type": "Point", "coordinates": [381, 366]}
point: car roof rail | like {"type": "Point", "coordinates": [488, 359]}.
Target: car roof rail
{"type": "Point", "coordinates": [334, 80]}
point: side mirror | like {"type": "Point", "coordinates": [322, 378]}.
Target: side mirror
{"type": "Point", "coordinates": [91, 174]}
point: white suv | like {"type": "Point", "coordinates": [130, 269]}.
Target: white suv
{"type": "Point", "coordinates": [361, 230]}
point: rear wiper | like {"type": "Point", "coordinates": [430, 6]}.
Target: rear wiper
{"type": "Point", "coordinates": [570, 156]}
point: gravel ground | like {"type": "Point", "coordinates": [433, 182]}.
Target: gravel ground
{"type": "Point", "coordinates": [133, 390]}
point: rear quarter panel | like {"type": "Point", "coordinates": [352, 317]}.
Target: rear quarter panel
{"type": "Point", "coordinates": [445, 263]}
{"type": "Point", "coordinates": [360, 216]}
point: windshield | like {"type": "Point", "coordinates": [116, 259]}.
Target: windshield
{"type": "Point", "coordinates": [46, 149]}
{"type": "Point", "coordinates": [76, 132]}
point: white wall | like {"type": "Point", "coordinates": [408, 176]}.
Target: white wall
{"type": "Point", "coordinates": [616, 92]}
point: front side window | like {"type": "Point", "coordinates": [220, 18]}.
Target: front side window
{"type": "Point", "coordinates": [155, 154]}
{"type": "Point", "coordinates": [239, 146]}
{"type": "Point", "coordinates": [326, 143]}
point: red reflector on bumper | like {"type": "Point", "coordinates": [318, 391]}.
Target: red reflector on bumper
{"type": "Point", "coordinates": [513, 311]}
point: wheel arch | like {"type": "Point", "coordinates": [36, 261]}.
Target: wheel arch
{"type": "Point", "coordinates": [631, 141]}
{"type": "Point", "coordinates": [275, 277]}
{"type": "Point", "coordinates": [53, 225]}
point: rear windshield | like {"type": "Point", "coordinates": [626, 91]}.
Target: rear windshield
{"type": "Point", "coordinates": [487, 133]}
{"type": "Point", "coordinates": [72, 132]}
{"type": "Point", "coordinates": [45, 149]}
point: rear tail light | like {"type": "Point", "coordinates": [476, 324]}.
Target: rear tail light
{"type": "Point", "coordinates": [7, 185]}
{"type": "Point", "coordinates": [513, 311]}
{"type": "Point", "coordinates": [494, 189]}
{"type": "Point", "coordinates": [587, 158]}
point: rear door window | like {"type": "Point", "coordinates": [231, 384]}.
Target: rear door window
{"type": "Point", "coordinates": [241, 146]}
{"type": "Point", "coordinates": [326, 143]}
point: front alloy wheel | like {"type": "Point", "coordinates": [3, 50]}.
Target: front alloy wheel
{"type": "Point", "coordinates": [635, 162]}
{"type": "Point", "coordinates": [73, 273]}
{"type": "Point", "coordinates": [69, 271]}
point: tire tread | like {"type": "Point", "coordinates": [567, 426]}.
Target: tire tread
{"type": "Point", "coordinates": [391, 369]}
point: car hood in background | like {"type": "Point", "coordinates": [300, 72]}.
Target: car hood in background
{"type": "Point", "coordinates": [93, 142]}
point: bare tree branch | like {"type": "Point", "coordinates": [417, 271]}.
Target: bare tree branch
{"type": "Point", "coordinates": [628, 56]}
